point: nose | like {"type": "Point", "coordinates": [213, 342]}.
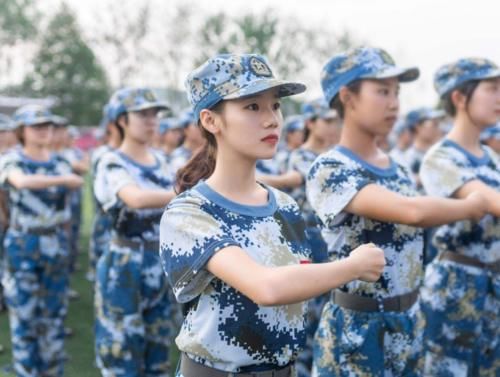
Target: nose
{"type": "Point", "coordinates": [272, 119]}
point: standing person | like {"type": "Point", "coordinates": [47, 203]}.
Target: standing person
{"type": "Point", "coordinates": [193, 141]}
{"type": "Point", "coordinates": [36, 274]}
{"type": "Point", "coordinates": [460, 296]}
{"type": "Point", "coordinates": [171, 132]}
{"type": "Point", "coordinates": [62, 144]}
{"type": "Point", "coordinates": [424, 125]}
{"type": "Point", "coordinates": [360, 196]}
{"type": "Point", "coordinates": [403, 139]}
{"type": "Point", "coordinates": [232, 248]}
{"type": "Point", "coordinates": [101, 226]}
{"type": "Point", "coordinates": [133, 184]}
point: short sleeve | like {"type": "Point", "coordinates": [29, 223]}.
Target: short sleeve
{"type": "Point", "coordinates": [9, 163]}
{"type": "Point", "coordinates": [189, 237]}
{"type": "Point", "coordinates": [444, 171]}
{"type": "Point", "coordinates": [111, 176]}
{"type": "Point", "coordinates": [331, 185]}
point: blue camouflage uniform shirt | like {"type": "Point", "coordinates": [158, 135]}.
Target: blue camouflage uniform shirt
{"type": "Point", "coordinates": [301, 160]}
{"type": "Point", "coordinates": [446, 168]}
{"type": "Point", "coordinates": [44, 208]}
{"type": "Point", "coordinates": [223, 328]}
{"type": "Point", "coordinates": [333, 181]}
{"type": "Point", "coordinates": [114, 171]}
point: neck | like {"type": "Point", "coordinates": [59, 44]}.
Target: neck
{"type": "Point", "coordinates": [135, 150]}
{"type": "Point", "coordinates": [465, 133]}
{"type": "Point", "coordinates": [240, 183]}
{"type": "Point", "coordinates": [421, 145]}
{"type": "Point", "coordinates": [37, 152]}
{"type": "Point", "coordinates": [359, 141]}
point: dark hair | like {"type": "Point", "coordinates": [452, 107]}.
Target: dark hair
{"type": "Point", "coordinates": [19, 131]}
{"type": "Point", "coordinates": [120, 129]}
{"type": "Point", "coordinates": [467, 89]}
{"type": "Point", "coordinates": [337, 104]}
{"type": "Point", "coordinates": [202, 164]}
{"type": "Point", "coordinates": [307, 131]}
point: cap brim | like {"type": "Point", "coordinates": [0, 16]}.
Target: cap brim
{"type": "Point", "coordinates": [403, 74]}
{"type": "Point", "coordinates": [284, 88]}
{"type": "Point", "coordinates": [36, 121]}
{"type": "Point", "coordinates": [149, 105]}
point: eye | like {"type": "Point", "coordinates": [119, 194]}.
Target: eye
{"type": "Point", "coordinates": [383, 91]}
{"type": "Point", "coordinates": [277, 106]}
{"type": "Point", "coordinates": [252, 107]}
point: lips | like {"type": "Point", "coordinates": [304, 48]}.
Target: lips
{"type": "Point", "coordinates": [270, 139]}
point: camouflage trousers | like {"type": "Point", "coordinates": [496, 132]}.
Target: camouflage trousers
{"type": "Point", "coordinates": [352, 343]}
{"type": "Point", "coordinates": [461, 305]}
{"type": "Point", "coordinates": [99, 238]}
{"type": "Point", "coordinates": [133, 313]}
{"type": "Point", "coordinates": [35, 282]}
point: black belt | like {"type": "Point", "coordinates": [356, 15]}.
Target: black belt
{"type": "Point", "coordinates": [469, 261]}
{"type": "Point", "coordinates": [37, 230]}
{"type": "Point", "coordinates": [190, 368]}
{"type": "Point", "coordinates": [137, 245]}
{"type": "Point", "coordinates": [399, 303]}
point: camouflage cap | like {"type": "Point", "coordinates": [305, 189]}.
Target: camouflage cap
{"type": "Point", "coordinates": [171, 123]}
{"type": "Point", "coordinates": [318, 109]}
{"type": "Point", "coordinates": [361, 63]}
{"type": "Point", "coordinates": [450, 76]}
{"type": "Point", "coordinates": [232, 76]}
{"type": "Point", "coordinates": [187, 117]}
{"type": "Point", "coordinates": [30, 115]}
{"type": "Point", "coordinates": [60, 121]}
{"type": "Point", "coordinates": [6, 123]}
{"type": "Point", "coordinates": [134, 99]}
{"type": "Point", "coordinates": [416, 116]}
{"type": "Point", "coordinates": [294, 123]}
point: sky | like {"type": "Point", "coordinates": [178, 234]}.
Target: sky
{"type": "Point", "coordinates": [422, 33]}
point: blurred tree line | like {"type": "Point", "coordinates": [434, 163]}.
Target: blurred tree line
{"type": "Point", "coordinates": [151, 42]}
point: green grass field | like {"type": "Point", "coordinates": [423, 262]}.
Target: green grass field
{"type": "Point", "coordinates": [80, 347]}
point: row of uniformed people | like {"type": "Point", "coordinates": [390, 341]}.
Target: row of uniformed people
{"type": "Point", "coordinates": [39, 183]}
{"type": "Point", "coordinates": [231, 247]}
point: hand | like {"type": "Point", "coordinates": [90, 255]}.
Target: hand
{"type": "Point", "coordinates": [73, 181]}
{"type": "Point", "coordinates": [368, 262]}
{"type": "Point", "coordinates": [477, 206]}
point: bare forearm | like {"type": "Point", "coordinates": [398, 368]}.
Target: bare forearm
{"type": "Point", "coordinates": [292, 284]}
{"type": "Point", "coordinates": [438, 211]}
{"type": "Point", "coordinates": [36, 181]}
{"type": "Point", "coordinates": [149, 199]}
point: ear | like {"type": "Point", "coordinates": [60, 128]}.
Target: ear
{"type": "Point", "coordinates": [210, 121]}
{"type": "Point", "coordinates": [345, 96]}
{"type": "Point", "coordinates": [458, 100]}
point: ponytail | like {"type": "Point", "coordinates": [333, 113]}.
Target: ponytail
{"type": "Point", "coordinates": [200, 166]}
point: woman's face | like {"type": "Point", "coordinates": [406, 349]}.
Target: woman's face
{"type": "Point", "coordinates": [142, 125]}
{"type": "Point", "coordinates": [376, 106]}
{"type": "Point", "coordinates": [250, 126]}
{"type": "Point", "coordinates": [38, 134]}
{"type": "Point", "coordinates": [484, 105]}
